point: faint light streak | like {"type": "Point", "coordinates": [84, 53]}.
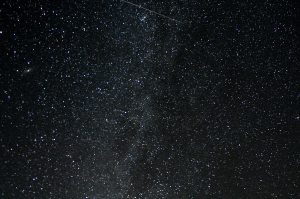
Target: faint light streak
{"type": "Point", "coordinates": [151, 11]}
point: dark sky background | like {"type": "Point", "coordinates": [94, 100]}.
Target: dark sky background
{"type": "Point", "coordinates": [108, 100]}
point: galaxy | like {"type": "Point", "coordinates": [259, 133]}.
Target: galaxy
{"type": "Point", "coordinates": [170, 99]}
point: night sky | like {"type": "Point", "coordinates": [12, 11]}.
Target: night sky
{"type": "Point", "coordinates": [175, 99]}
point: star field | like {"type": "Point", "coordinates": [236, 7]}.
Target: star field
{"type": "Point", "coordinates": [143, 99]}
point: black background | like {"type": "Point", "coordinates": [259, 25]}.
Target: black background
{"type": "Point", "coordinates": [103, 99]}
